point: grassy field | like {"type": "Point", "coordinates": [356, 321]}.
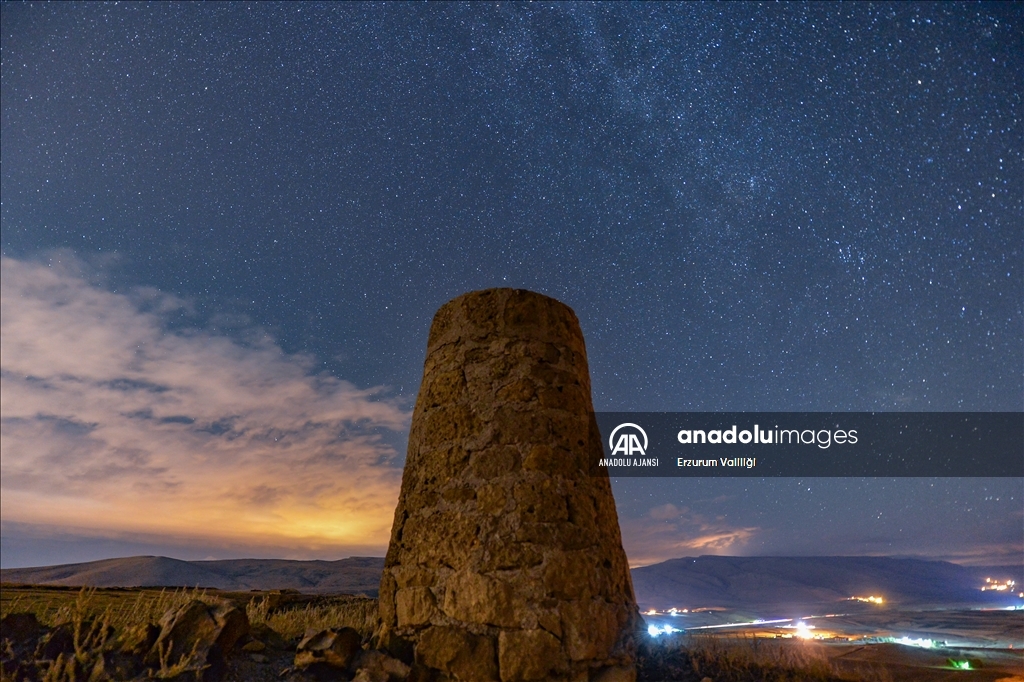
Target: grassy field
{"type": "Point", "coordinates": [287, 613]}
{"type": "Point", "coordinates": [119, 607]}
{"type": "Point", "coordinates": [108, 629]}
{"type": "Point", "coordinates": [112, 619]}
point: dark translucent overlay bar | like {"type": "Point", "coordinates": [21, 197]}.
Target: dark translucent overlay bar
{"type": "Point", "coordinates": [885, 444]}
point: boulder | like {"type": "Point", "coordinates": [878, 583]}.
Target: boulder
{"type": "Point", "coordinates": [263, 633]}
{"type": "Point", "coordinates": [199, 636]}
{"type": "Point", "coordinates": [139, 640]}
{"type": "Point", "coordinates": [334, 648]}
{"type": "Point", "coordinates": [58, 641]}
{"type": "Point", "coordinates": [506, 560]}
{"type": "Point", "coordinates": [20, 628]}
{"type": "Point", "coordinates": [19, 634]}
{"type": "Point", "coordinates": [376, 666]}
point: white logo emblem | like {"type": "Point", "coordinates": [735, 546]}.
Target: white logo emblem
{"type": "Point", "coordinates": [628, 444]}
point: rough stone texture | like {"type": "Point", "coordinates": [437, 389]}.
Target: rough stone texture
{"type": "Point", "coordinates": [505, 560]}
{"type": "Point", "coordinates": [200, 633]}
{"type": "Point", "coordinates": [335, 648]}
{"type": "Point", "coordinates": [376, 666]}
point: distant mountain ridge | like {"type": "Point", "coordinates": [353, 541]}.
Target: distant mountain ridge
{"type": "Point", "coordinates": [690, 582]}
{"type": "Point", "coordinates": [737, 582]}
{"type": "Point", "coordinates": [355, 575]}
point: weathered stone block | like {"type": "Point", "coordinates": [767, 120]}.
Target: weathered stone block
{"type": "Point", "coordinates": [334, 648]}
{"type": "Point", "coordinates": [459, 653]}
{"type": "Point", "coordinates": [414, 606]}
{"type": "Point", "coordinates": [590, 628]}
{"type": "Point", "coordinates": [478, 599]}
{"type": "Point", "coordinates": [528, 655]}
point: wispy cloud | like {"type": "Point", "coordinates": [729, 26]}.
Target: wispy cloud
{"type": "Point", "coordinates": [668, 531]}
{"type": "Point", "coordinates": [112, 421]}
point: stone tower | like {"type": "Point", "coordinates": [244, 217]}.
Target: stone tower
{"type": "Point", "coordinates": [505, 560]}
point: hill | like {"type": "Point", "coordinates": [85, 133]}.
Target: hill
{"type": "Point", "coordinates": [740, 582]}
{"type": "Point", "coordinates": [690, 582]}
{"type": "Point", "coordinates": [355, 575]}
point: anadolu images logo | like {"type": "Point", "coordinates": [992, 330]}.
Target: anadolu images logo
{"type": "Point", "coordinates": [628, 443]}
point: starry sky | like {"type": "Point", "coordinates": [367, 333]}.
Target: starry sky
{"type": "Point", "coordinates": [226, 228]}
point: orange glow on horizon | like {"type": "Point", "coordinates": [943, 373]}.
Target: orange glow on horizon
{"type": "Point", "coordinates": [115, 425]}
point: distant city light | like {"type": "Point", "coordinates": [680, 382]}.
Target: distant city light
{"type": "Point", "coordinates": [669, 612]}
{"type": "Point", "coordinates": [803, 630]}
{"type": "Point", "coordinates": [922, 643]}
{"type": "Point", "coordinates": [654, 630]}
{"type": "Point", "coordinates": [998, 585]}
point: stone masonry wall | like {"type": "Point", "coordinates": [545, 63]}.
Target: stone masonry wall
{"type": "Point", "coordinates": [505, 560]}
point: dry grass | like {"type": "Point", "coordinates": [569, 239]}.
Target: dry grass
{"type": "Point", "coordinates": [742, 653]}
{"type": "Point", "coordinates": [122, 609]}
{"type": "Point", "coordinates": [101, 624]}
{"type": "Point", "coordinates": [111, 630]}
{"type": "Point", "coordinates": [353, 612]}
{"type": "Point", "coordinates": [128, 610]}
{"type": "Point", "coordinates": [746, 659]}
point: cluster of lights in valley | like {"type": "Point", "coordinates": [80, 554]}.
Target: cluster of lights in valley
{"type": "Point", "coordinates": [798, 628]}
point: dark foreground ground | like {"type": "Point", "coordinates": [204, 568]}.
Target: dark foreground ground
{"type": "Point", "coordinates": [740, 659]}
{"type": "Point", "coordinates": [99, 626]}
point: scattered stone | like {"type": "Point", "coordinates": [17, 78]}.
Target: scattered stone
{"type": "Point", "coordinates": [368, 676]}
{"type": "Point", "coordinates": [198, 635]}
{"type": "Point", "coordinates": [399, 647]}
{"type": "Point", "coordinates": [141, 641]}
{"type": "Point", "coordinates": [506, 561]}
{"type": "Point", "coordinates": [19, 628]}
{"type": "Point", "coordinates": [58, 641]}
{"type": "Point", "coordinates": [271, 638]}
{"type": "Point", "coordinates": [376, 666]}
{"type": "Point", "coordinates": [335, 648]}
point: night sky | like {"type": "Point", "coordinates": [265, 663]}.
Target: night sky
{"type": "Point", "coordinates": [226, 228]}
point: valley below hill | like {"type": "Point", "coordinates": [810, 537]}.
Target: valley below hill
{"type": "Point", "coordinates": [770, 585]}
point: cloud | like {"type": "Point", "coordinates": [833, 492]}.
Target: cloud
{"type": "Point", "coordinates": [668, 532]}
{"type": "Point", "coordinates": [114, 422]}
